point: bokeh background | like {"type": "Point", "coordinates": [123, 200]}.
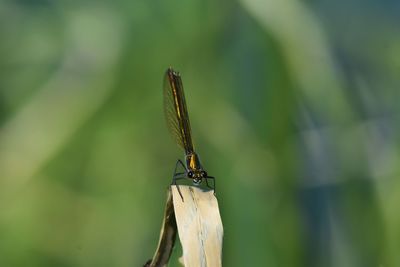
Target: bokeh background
{"type": "Point", "coordinates": [294, 107]}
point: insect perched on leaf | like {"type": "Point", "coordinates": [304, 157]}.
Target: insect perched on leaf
{"type": "Point", "coordinates": [177, 118]}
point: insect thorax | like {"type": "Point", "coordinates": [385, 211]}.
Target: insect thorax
{"type": "Point", "coordinates": [193, 162]}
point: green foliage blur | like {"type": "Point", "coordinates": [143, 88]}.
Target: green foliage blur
{"type": "Point", "coordinates": [292, 104]}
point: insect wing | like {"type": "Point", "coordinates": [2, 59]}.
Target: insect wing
{"type": "Point", "coordinates": [175, 110]}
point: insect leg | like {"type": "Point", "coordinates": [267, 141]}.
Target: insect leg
{"type": "Point", "coordinates": [178, 176]}
{"type": "Point", "coordinates": [212, 178]}
{"type": "Point", "coordinates": [176, 166]}
{"type": "Point", "coordinates": [174, 179]}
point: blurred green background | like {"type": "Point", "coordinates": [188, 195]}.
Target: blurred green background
{"type": "Point", "coordinates": [293, 106]}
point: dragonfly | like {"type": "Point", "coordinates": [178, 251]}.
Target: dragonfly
{"type": "Point", "coordinates": [177, 118]}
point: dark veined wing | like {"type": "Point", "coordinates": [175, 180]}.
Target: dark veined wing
{"type": "Point", "coordinates": [175, 110]}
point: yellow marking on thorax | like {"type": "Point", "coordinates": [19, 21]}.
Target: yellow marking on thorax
{"type": "Point", "coordinates": [193, 161]}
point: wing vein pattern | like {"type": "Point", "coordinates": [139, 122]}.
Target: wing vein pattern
{"type": "Point", "coordinates": [175, 110]}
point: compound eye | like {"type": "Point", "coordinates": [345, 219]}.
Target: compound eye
{"type": "Point", "coordinates": [190, 174]}
{"type": "Point", "coordinates": [203, 174]}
